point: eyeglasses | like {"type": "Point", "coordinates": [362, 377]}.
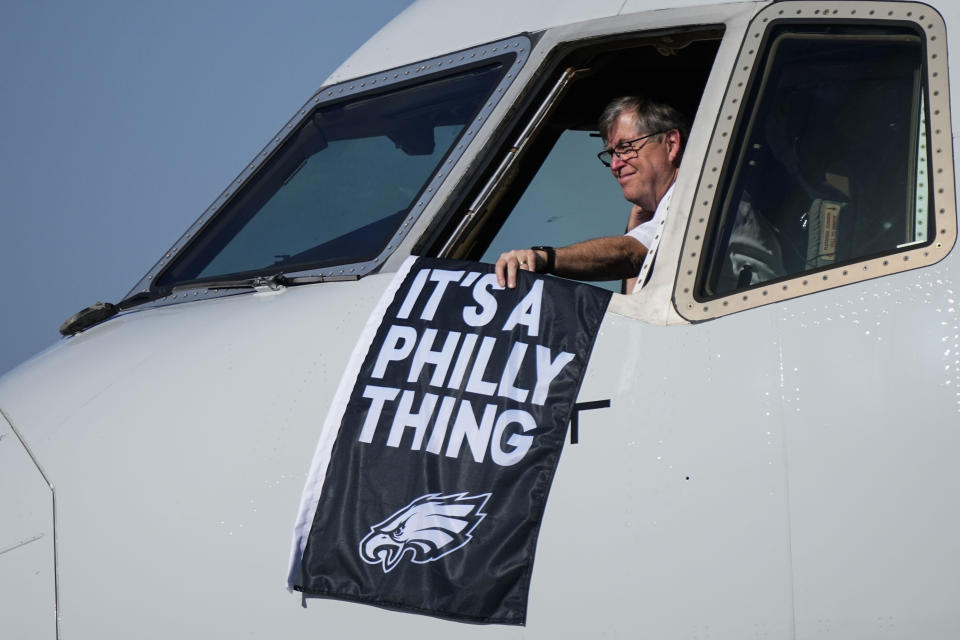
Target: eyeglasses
{"type": "Point", "coordinates": [625, 150]}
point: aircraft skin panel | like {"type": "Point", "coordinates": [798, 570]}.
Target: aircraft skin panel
{"type": "Point", "coordinates": [869, 384]}
{"type": "Point", "coordinates": [213, 469]}
{"type": "Point", "coordinates": [218, 334]}
{"type": "Point", "coordinates": [187, 451]}
{"type": "Point", "coordinates": [27, 577]}
{"type": "Point", "coordinates": [727, 515]}
{"type": "Point", "coordinates": [463, 22]}
{"type": "Point", "coordinates": [698, 486]}
{"type": "Point", "coordinates": [468, 23]}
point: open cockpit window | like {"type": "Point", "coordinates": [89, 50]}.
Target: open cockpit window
{"type": "Point", "coordinates": [840, 164]}
{"type": "Point", "coordinates": [548, 215]}
{"type": "Point", "coordinates": [334, 195]}
{"type": "Point", "coordinates": [545, 185]}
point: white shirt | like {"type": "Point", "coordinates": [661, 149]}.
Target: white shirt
{"type": "Point", "coordinates": [648, 233]}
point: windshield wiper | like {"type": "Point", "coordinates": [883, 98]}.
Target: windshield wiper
{"type": "Point", "coordinates": [273, 282]}
{"type": "Point", "coordinates": [100, 311]}
{"type": "Point", "coordinates": [97, 313]}
{"type": "Point", "coordinates": [94, 314]}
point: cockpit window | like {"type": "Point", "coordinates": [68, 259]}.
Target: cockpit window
{"type": "Point", "coordinates": [831, 162]}
{"type": "Point", "coordinates": [336, 191]}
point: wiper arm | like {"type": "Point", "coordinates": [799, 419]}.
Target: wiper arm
{"type": "Point", "coordinates": [94, 314]}
{"type": "Point", "coordinates": [97, 313]}
{"type": "Point", "coordinates": [143, 297]}
{"type": "Point", "coordinates": [273, 282]}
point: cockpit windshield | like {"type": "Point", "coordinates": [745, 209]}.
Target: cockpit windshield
{"type": "Point", "coordinates": [336, 191]}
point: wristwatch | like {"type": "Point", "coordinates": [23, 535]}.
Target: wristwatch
{"type": "Point", "coordinates": [551, 257]}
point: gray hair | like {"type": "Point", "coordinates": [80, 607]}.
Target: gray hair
{"type": "Point", "coordinates": [649, 117]}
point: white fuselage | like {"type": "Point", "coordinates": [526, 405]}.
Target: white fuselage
{"type": "Point", "coordinates": [781, 472]}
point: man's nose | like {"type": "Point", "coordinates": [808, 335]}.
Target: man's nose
{"type": "Point", "coordinates": [616, 163]}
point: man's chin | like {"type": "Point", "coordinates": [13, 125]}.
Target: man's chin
{"type": "Point", "coordinates": [631, 196]}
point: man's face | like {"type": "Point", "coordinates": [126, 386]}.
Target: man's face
{"type": "Point", "coordinates": [646, 176]}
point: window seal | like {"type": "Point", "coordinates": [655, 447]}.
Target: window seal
{"type": "Point", "coordinates": [928, 22]}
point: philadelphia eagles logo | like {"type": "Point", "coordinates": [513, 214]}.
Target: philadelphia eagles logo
{"type": "Point", "coordinates": [428, 528]}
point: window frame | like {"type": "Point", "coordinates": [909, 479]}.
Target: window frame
{"type": "Point", "coordinates": [734, 113]}
{"type": "Point", "coordinates": [518, 47]}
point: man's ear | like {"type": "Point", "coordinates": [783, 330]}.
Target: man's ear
{"type": "Point", "coordinates": [674, 145]}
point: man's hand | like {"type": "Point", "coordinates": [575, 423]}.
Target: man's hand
{"type": "Point", "coordinates": [512, 261]}
{"type": "Point", "coordinates": [637, 217]}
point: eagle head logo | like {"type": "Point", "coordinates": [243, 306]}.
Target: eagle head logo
{"type": "Point", "coordinates": [428, 528]}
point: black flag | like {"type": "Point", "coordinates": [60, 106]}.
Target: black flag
{"type": "Point", "coordinates": [433, 468]}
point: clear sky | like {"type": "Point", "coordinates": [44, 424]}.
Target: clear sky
{"type": "Point", "coordinates": [121, 121]}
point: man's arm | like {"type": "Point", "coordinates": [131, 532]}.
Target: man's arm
{"type": "Point", "coordinates": [609, 258]}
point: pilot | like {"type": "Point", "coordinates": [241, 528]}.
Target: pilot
{"type": "Point", "coordinates": [644, 143]}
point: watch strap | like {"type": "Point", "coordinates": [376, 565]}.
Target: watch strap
{"type": "Point", "coordinates": [551, 257]}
